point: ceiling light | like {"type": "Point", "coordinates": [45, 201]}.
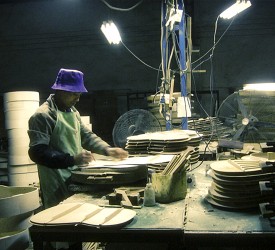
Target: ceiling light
{"type": "Point", "coordinates": [235, 9]}
{"type": "Point", "coordinates": [260, 86]}
{"type": "Point", "coordinates": [111, 32]}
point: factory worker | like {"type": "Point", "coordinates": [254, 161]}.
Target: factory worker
{"type": "Point", "coordinates": [59, 142]}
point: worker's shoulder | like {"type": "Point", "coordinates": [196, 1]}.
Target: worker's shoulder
{"type": "Point", "coordinates": [45, 111]}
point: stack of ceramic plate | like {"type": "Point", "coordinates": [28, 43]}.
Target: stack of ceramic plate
{"type": "Point", "coordinates": [235, 184]}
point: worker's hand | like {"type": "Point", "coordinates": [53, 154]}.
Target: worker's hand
{"type": "Point", "coordinates": [118, 153]}
{"type": "Point", "coordinates": [83, 158]}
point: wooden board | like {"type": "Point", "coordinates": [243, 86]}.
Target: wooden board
{"type": "Point", "coordinates": [236, 167]}
{"type": "Point", "coordinates": [243, 178]}
{"type": "Point", "coordinates": [236, 182]}
{"type": "Point", "coordinates": [236, 197]}
{"type": "Point", "coordinates": [236, 191]}
{"type": "Point", "coordinates": [83, 214]}
{"type": "Point", "coordinates": [229, 205]}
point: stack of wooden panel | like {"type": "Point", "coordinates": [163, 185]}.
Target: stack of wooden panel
{"type": "Point", "coordinates": [165, 142]}
{"type": "Point", "coordinates": [235, 184]}
{"type": "Point", "coordinates": [158, 142]}
{"type": "Point", "coordinates": [209, 127]}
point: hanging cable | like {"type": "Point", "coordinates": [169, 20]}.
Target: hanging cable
{"type": "Point", "coordinates": [215, 43]}
{"type": "Point", "coordinates": [120, 9]}
{"type": "Point", "coordinates": [138, 57]}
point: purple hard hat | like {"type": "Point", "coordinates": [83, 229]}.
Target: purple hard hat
{"type": "Point", "coordinates": [70, 80]}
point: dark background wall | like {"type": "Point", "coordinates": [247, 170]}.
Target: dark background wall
{"type": "Point", "coordinates": [39, 37]}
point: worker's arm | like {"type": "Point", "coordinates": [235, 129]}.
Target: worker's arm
{"type": "Point", "coordinates": [92, 142]}
{"type": "Point", "coordinates": [42, 154]}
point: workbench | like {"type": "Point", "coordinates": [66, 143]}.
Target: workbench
{"type": "Point", "coordinates": [191, 223]}
{"type": "Point", "coordinates": [161, 225]}
{"type": "Point", "coordinates": [218, 228]}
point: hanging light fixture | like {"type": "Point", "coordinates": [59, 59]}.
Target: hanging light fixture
{"type": "Point", "coordinates": [111, 32]}
{"type": "Point", "coordinates": [235, 9]}
{"type": "Point", "coordinates": [269, 86]}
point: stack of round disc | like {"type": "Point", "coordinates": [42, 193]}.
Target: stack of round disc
{"type": "Point", "coordinates": [137, 144]}
{"type": "Point", "coordinates": [157, 142]}
{"type": "Point", "coordinates": [256, 157]}
{"type": "Point", "coordinates": [165, 142]}
{"type": "Point", "coordinates": [195, 140]}
{"type": "Point", "coordinates": [168, 146]}
{"type": "Point", "coordinates": [206, 126]}
{"type": "Point", "coordinates": [235, 184]}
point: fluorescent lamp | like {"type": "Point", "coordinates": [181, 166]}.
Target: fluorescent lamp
{"type": "Point", "coordinates": [111, 32]}
{"type": "Point", "coordinates": [260, 86]}
{"type": "Point", "coordinates": [235, 9]}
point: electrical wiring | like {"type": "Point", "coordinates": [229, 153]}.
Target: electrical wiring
{"type": "Point", "coordinates": [211, 77]}
{"type": "Point", "coordinates": [161, 36]}
{"type": "Point", "coordinates": [181, 71]}
{"type": "Point", "coordinates": [214, 38]}
{"type": "Point", "coordinates": [173, 51]}
{"type": "Point", "coordinates": [211, 80]}
{"type": "Point", "coordinates": [216, 42]}
{"type": "Point", "coordinates": [211, 63]}
{"type": "Point", "coordinates": [167, 36]}
{"type": "Point", "coordinates": [157, 81]}
{"type": "Point", "coordinates": [172, 45]}
{"type": "Point", "coordinates": [196, 95]}
{"type": "Point", "coordinates": [138, 57]}
{"type": "Point", "coordinates": [169, 61]}
{"type": "Point", "coordinates": [120, 9]}
{"type": "Point", "coordinates": [175, 41]}
{"type": "Point", "coordinates": [204, 152]}
{"type": "Point", "coordinates": [164, 36]}
{"type": "Point", "coordinates": [207, 142]}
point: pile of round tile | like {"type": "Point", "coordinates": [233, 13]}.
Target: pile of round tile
{"type": "Point", "coordinates": [235, 184]}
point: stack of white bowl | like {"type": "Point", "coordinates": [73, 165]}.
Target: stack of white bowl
{"type": "Point", "coordinates": [19, 106]}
